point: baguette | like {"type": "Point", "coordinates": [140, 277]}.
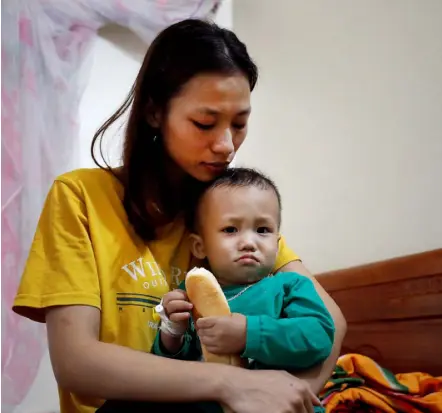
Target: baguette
{"type": "Point", "coordinates": [208, 300]}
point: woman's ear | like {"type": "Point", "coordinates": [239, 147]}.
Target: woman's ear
{"type": "Point", "coordinates": [197, 246]}
{"type": "Point", "coordinates": [153, 116]}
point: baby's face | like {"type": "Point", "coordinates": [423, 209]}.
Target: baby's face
{"type": "Point", "coordinates": [239, 232]}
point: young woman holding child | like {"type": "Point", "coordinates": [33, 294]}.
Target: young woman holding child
{"type": "Point", "coordinates": [111, 243]}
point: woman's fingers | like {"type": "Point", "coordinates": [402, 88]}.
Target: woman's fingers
{"type": "Point", "coordinates": [308, 406]}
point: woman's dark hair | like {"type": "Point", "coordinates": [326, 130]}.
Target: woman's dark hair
{"type": "Point", "coordinates": [180, 52]}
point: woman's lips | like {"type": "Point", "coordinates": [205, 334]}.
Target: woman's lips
{"type": "Point", "coordinates": [216, 167]}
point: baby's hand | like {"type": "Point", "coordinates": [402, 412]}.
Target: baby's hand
{"type": "Point", "coordinates": [177, 307]}
{"type": "Point", "coordinates": [223, 335]}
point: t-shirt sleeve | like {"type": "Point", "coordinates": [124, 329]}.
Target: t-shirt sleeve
{"type": "Point", "coordinates": [285, 255]}
{"type": "Point", "coordinates": [61, 268]}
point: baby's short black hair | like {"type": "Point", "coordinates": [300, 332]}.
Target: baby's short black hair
{"type": "Point", "coordinates": [234, 177]}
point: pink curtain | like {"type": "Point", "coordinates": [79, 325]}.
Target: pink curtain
{"type": "Point", "coordinates": [44, 43]}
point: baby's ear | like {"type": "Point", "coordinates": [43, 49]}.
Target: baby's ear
{"type": "Point", "coordinates": [279, 237]}
{"type": "Point", "coordinates": [197, 246]}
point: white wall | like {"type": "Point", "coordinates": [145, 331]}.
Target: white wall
{"type": "Point", "coordinates": [350, 103]}
{"type": "Point", "coordinates": [117, 57]}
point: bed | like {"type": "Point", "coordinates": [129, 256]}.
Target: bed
{"type": "Point", "coordinates": [393, 310]}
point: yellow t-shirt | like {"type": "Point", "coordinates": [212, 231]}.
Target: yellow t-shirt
{"type": "Point", "coordinates": [85, 252]}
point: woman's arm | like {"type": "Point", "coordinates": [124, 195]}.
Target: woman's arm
{"type": "Point", "coordinates": [85, 366]}
{"type": "Point", "coordinates": [318, 375]}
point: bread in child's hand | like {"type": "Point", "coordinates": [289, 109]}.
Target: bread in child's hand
{"type": "Point", "coordinates": [208, 300]}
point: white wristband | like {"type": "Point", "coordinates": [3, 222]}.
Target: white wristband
{"type": "Point", "coordinates": [170, 327]}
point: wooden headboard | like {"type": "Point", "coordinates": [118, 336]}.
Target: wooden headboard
{"type": "Point", "coordinates": [394, 311]}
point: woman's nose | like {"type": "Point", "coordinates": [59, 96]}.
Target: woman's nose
{"type": "Point", "coordinates": [223, 144]}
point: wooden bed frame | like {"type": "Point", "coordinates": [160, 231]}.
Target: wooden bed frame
{"type": "Point", "coordinates": [394, 311]}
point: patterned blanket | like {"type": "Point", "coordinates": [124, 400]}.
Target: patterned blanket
{"type": "Point", "coordinates": [360, 385]}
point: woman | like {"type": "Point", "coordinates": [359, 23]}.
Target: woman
{"type": "Point", "coordinates": [111, 243]}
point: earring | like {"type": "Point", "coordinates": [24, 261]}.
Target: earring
{"type": "Point", "coordinates": [155, 138]}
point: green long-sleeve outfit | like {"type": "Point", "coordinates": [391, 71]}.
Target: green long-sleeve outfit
{"type": "Point", "coordinates": [288, 325]}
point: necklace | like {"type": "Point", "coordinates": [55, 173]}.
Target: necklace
{"type": "Point", "coordinates": [240, 293]}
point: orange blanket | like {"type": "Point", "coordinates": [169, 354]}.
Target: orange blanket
{"type": "Point", "coordinates": [360, 385]}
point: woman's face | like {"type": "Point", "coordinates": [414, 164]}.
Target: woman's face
{"type": "Point", "coordinates": [206, 123]}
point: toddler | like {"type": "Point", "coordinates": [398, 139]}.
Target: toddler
{"type": "Point", "coordinates": [278, 320]}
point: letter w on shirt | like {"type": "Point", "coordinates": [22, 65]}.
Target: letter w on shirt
{"type": "Point", "coordinates": [135, 267]}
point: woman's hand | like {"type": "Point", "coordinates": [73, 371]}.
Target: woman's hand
{"type": "Point", "coordinates": [81, 365]}
{"type": "Point", "coordinates": [268, 391]}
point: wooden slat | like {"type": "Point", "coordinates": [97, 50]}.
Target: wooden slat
{"type": "Point", "coordinates": [402, 346]}
{"type": "Point", "coordinates": [401, 268]}
{"type": "Point", "coordinates": [394, 311]}
{"type": "Point", "coordinates": [410, 298]}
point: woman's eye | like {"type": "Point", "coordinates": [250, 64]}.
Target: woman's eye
{"type": "Point", "coordinates": [203, 126]}
{"type": "Point", "coordinates": [264, 230]}
{"type": "Point", "coordinates": [230, 230]}
{"type": "Point", "coordinates": [239, 126]}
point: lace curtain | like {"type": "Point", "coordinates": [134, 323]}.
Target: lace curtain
{"type": "Point", "coordinates": [44, 45]}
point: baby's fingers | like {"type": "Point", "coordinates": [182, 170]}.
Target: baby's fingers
{"type": "Point", "coordinates": [174, 295]}
{"type": "Point", "coordinates": [178, 306]}
{"type": "Point", "coordinates": [177, 317]}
